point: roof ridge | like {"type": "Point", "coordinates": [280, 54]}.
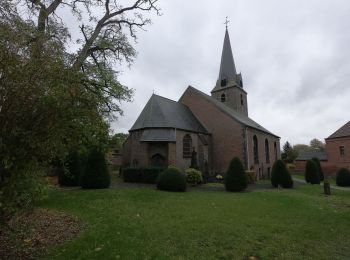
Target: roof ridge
{"type": "Point", "coordinates": [343, 131]}
{"type": "Point", "coordinates": [164, 112]}
{"type": "Point", "coordinates": [164, 98]}
{"type": "Point", "coordinates": [239, 117]}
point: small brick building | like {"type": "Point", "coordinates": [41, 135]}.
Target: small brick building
{"type": "Point", "coordinates": [338, 147]}
{"type": "Point", "coordinates": [216, 126]}
{"type": "Point", "coordinates": [304, 156]}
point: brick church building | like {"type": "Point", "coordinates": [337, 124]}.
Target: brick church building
{"type": "Point", "coordinates": [216, 126]}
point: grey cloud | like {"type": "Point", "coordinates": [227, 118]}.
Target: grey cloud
{"type": "Point", "coordinates": [293, 55]}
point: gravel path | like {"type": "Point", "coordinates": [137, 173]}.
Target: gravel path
{"type": "Point", "coordinates": [332, 186]}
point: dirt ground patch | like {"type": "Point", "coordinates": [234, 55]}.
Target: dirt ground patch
{"type": "Point", "coordinates": [29, 235]}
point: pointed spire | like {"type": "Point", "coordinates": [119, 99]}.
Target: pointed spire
{"type": "Point", "coordinates": [227, 66]}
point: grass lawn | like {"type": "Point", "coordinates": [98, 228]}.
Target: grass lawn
{"type": "Point", "coordinates": [142, 223]}
{"type": "Point", "coordinates": [298, 176]}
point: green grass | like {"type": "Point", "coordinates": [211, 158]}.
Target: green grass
{"type": "Point", "coordinates": [298, 176]}
{"type": "Point", "coordinates": [150, 224]}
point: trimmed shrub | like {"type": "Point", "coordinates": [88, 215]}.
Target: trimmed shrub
{"type": "Point", "coordinates": [319, 168]}
{"type": "Point", "coordinates": [132, 174]}
{"type": "Point", "coordinates": [280, 175]}
{"type": "Point", "coordinates": [343, 177]}
{"type": "Point", "coordinates": [96, 175]}
{"type": "Point", "coordinates": [193, 176]}
{"type": "Point", "coordinates": [311, 172]}
{"type": "Point", "coordinates": [236, 179]}
{"type": "Point", "coordinates": [70, 176]}
{"type": "Point", "coordinates": [150, 175]}
{"type": "Point", "coordinates": [171, 180]}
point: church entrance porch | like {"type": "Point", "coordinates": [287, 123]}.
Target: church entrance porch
{"type": "Point", "coordinates": [158, 154]}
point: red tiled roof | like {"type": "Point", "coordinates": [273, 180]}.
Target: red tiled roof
{"type": "Point", "coordinates": [344, 131]}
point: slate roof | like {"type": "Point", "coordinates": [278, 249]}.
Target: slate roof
{"type": "Point", "coordinates": [158, 135]}
{"type": "Point", "coordinates": [232, 113]}
{"type": "Point", "coordinates": [227, 65]}
{"type": "Point", "coordinates": [161, 112]}
{"type": "Point", "coordinates": [308, 155]}
{"type": "Point", "coordinates": [344, 131]}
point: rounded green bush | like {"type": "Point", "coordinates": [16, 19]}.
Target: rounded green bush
{"type": "Point", "coordinates": [70, 176]}
{"type": "Point", "coordinates": [343, 177]}
{"type": "Point", "coordinates": [171, 180]}
{"type": "Point", "coordinates": [311, 172]}
{"type": "Point", "coordinates": [319, 168]}
{"type": "Point", "coordinates": [194, 176]}
{"type": "Point", "coordinates": [96, 175]}
{"type": "Point", "coordinates": [280, 175]}
{"type": "Point", "coordinates": [236, 179]}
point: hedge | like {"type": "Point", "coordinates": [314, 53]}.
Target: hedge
{"type": "Point", "coordinates": [172, 179]}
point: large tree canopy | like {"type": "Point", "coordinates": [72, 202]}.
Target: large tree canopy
{"type": "Point", "coordinates": [53, 98]}
{"type": "Point", "coordinates": [106, 28]}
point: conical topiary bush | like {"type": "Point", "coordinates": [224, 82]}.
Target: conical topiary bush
{"type": "Point", "coordinates": [236, 179]}
{"type": "Point", "coordinates": [280, 175]}
{"type": "Point", "coordinates": [95, 175]}
{"type": "Point", "coordinates": [343, 177]}
{"type": "Point", "coordinates": [319, 168]}
{"type": "Point", "coordinates": [311, 172]}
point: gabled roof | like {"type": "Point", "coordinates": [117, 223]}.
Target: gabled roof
{"type": "Point", "coordinates": [308, 155]}
{"type": "Point", "coordinates": [344, 131]}
{"type": "Point", "coordinates": [243, 119]}
{"type": "Point", "coordinates": [227, 65]}
{"type": "Point", "coordinates": [161, 112]}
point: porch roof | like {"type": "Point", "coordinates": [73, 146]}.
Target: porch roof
{"type": "Point", "coordinates": [158, 135]}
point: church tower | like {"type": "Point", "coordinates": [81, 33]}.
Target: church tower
{"type": "Point", "coordinates": [229, 86]}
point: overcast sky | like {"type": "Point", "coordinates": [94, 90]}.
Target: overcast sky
{"type": "Point", "coordinates": [294, 57]}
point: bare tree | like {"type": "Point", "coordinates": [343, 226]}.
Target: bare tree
{"type": "Point", "coordinates": [106, 28]}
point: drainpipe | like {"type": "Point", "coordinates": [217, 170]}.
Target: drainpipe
{"type": "Point", "coordinates": [247, 147]}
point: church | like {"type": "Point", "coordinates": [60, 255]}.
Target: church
{"type": "Point", "coordinates": [216, 126]}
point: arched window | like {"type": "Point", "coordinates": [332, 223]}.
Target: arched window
{"type": "Point", "coordinates": [275, 150]}
{"type": "Point", "coordinates": [256, 149]}
{"type": "Point", "coordinates": [242, 102]}
{"type": "Point", "coordinates": [267, 151]}
{"type": "Point", "coordinates": [223, 97]}
{"type": "Point", "coordinates": [187, 146]}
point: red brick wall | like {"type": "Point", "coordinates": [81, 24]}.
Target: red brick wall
{"type": "Point", "coordinates": [140, 152]}
{"type": "Point", "coordinates": [134, 151]}
{"type": "Point", "coordinates": [126, 151]}
{"type": "Point", "coordinates": [333, 153]}
{"type": "Point", "coordinates": [263, 168]}
{"type": "Point", "coordinates": [227, 134]}
{"type": "Point", "coordinates": [327, 168]}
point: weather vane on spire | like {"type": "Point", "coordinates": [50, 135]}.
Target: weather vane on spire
{"type": "Point", "coordinates": [226, 22]}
